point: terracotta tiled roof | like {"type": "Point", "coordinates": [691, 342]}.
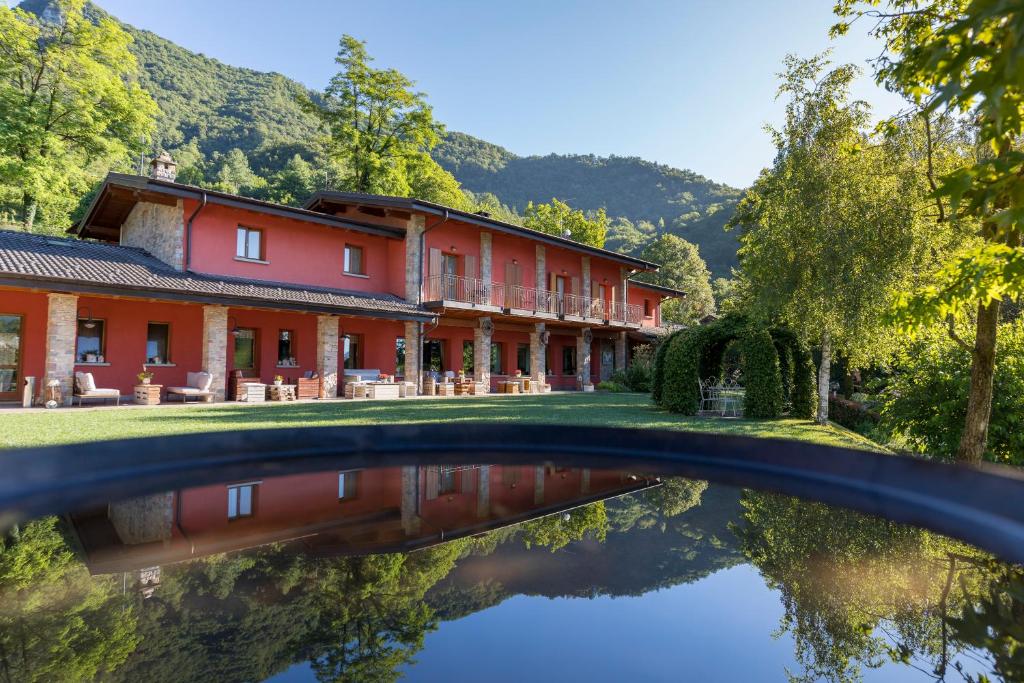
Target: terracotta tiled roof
{"type": "Point", "coordinates": [79, 265]}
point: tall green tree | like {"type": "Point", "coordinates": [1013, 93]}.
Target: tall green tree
{"type": "Point", "coordinates": [376, 122]}
{"type": "Point", "coordinates": [828, 230]}
{"type": "Point", "coordinates": [68, 107]}
{"type": "Point", "coordinates": [681, 268]}
{"type": "Point", "coordinates": [964, 56]}
{"type": "Point", "coordinates": [558, 218]}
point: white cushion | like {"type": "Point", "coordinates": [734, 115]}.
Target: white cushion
{"type": "Point", "coordinates": [188, 391]}
{"type": "Point", "coordinates": [86, 382]}
{"type": "Point", "coordinates": [101, 392]}
{"type": "Point", "coordinates": [199, 380]}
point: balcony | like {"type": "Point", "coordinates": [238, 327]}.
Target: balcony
{"type": "Point", "coordinates": [455, 291]}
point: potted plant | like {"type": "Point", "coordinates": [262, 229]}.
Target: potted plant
{"type": "Point", "coordinates": [145, 377]}
{"type": "Point", "coordinates": [278, 380]}
{"type": "Point", "coordinates": [519, 373]}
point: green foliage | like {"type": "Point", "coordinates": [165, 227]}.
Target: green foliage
{"type": "Point", "coordinates": [926, 399]}
{"type": "Point", "coordinates": [761, 377]}
{"type": "Point", "coordinates": [558, 218]}
{"type": "Point", "coordinates": [69, 109]}
{"type": "Point", "coordinates": [658, 369]}
{"type": "Point", "coordinates": [804, 399]}
{"type": "Point", "coordinates": [612, 386]}
{"type": "Point", "coordinates": [640, 371]}
{"type": "Point", "coordinates": [679, 392]}
{"type": "Point", "coordinates": [559, 530]}
{"type": "Point", "coordinates": [681, 268]}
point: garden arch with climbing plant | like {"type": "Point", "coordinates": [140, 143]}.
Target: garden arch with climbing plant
{"type": "Point", "coordinates": [778, 371]}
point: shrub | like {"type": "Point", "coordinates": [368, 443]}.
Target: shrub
{"type": "Point", "coordinates": [658, 372]}
{"type": "Point", "coordinates": [612, 386]}
{"type": "Point", "coordinates": [762, 379]}
{"type": "Point", "coordinates": [804, 400]}
{"type": "Point", "coordinates": [641, 369]}
{"type": "Point", "coordinates": [925, 402]}
{"type": "Point", "coordinates": [680, 392]}
{"type": "Point", "coordinates": [851, 414]}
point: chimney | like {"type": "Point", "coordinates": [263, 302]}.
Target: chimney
{"type": "Point", "coordinates": [163, 168]}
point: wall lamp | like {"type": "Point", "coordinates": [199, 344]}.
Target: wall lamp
{"type": "Point", "coordinates": [89, 322]}
{"type": "Point", "coordinates": [234, 328]}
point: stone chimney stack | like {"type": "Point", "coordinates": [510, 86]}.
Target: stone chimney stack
{"type": "Point", "coordinates": [163, 168]}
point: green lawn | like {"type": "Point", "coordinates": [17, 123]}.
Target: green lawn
{"type": "Point", "coordinates": [47, 427]}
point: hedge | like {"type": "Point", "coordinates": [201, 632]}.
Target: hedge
{"type": "Point", "coordinates": [804, 401]}
{"type": "Point", "coordinates": [762, 379]}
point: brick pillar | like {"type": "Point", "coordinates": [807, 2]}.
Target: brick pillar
{"type": "Point", "coordinates": [413, 350]}
{"type": "Point", "coordinates": [413, 258]}
{"type": "Point", "coordinates": [538, 485]}
{"type": "Point", "coordinates": [486, 258]}
{"type": "Point", "coordinates": [624, 274]}
{"type": "Point", "coordinates": [542, 269]}
{"type": "Point", "coordinates": [482, 352]}
{"type": "Point", "coordinates": [410, 499]}
{"type": "Point", "coordinates": [215, 348]}
{"type": "Point", "coordinates": [621, 355]}
{"type": "Point", "coordinates": [483, 491]}
{"type": "Point", "coordinates": [538, 369]}
{"type": "Point", "coordinates": [583, 355]}
{"type": "Point", "coordinates": [585, 283]}
{"type": "Point", "coordinates": [61, 330]}
{"type": "Point", "coordinates": [327, 354]}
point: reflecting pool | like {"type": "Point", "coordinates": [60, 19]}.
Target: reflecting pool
{"type": "Point", "coordinates": [495, 573]}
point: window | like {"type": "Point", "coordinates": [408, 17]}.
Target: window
{"type": "Point", "coordinates": [245, 349]}
{"type": "Point", "coordinates": [347, 484]}
{"type": "Point", "coordinates": [158, 343]}
{"type": "Point", "coordinates": [568, 360]}
{"type": "Point", "coordinates": [433, 355]}
{"type": "Point", "coordinates": [354, 260]}
{"type": "Point", "coordinates": [496, 353]}
{"type": "Point", "coordinates": [249, 244]}
{"type": "Point", "coordinates": [400, 356]}
{"type": "Point", "coordinates": [240, 500]}
{"type": "Point", "coordinates": [353, 347]}
{"type": "Point", "coordinates": [468, 361]}
{"type": "Point", "coordinates": [446, 480]}
{"type": "Point", "coordinates": [286, 347]}
{"type": "Point", "coordinates": [89, 346]}
{"type": "Point", "coordinates": [647, 308]}
{"type": "Point", "coordinates": [523, 358]}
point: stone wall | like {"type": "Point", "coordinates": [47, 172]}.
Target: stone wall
{"type": "Point", "coordinates": [538, 367]}
{"type": "Point", "coordinates": [61, 330]}
{"type": "Point", "coordinates": [621, 360]}
{"type": "Point", "coordinates": [158, 229]}
{"type": "Point", "coordinates": [486, 257]}
{"type": "Point", "coordinates": [215, 348]}
{"type": "Point", "coordinates": [145, 519]}
{"type": "Point", "coordinates": [583, 356]}
{"type": "Point", "coordinates": [327, 354]}
{"type": "Point", "coordinates": [413, 260]}
{"type": "Point", "coordinates": [542, 269]}
{"type": "Point", "coordinates": [412, 355]}
{"type": "Point", "coordinates": [482, 353]}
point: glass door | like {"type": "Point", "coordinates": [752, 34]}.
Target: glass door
{"type": "Point", "coordinates": [10, 356]}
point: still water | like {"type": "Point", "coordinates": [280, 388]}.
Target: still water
{"type": "Point", "coordinates": [496, 573]}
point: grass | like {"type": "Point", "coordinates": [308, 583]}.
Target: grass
{"type": "Point", "coordinates": [46, 427]}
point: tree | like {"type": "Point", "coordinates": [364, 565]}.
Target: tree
{"type": "Point", "coordinates": [67, 107]}
{"type": "Point", "coordinates": [293, 184]}
{"type": "Point", "coordinates": [558, 218]}
{"type": "Point", "coordinates": [375, 121]}
{"type": "Point", "coordinates": [236, 177]}
{"type": "Point", "coordinates": [681, 268]}
{"type": "Point", "coordinates": [827, 231]}
{"type": "Point", "coordinates": [964, 56]}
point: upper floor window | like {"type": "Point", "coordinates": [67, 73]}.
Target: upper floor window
{"type": "Point", "coordinates": [647, 308]}
{"type": "Point", "coordinates": [241, 500]}
{"type": "Point", "coordinates": [158, 343]}
{"type": "Point", "coordinates": [90, 342]}
{"type": "Point", "coordinates": [249, 244]}
{"type": "Point", "coordinates": [347, 483]}
{"type": "Point", "coordinates": [354, 260]}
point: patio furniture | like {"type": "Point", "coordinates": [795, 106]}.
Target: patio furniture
{"type": "Point", "coordinates": [355, 389]}
{"type": "Point", "coordinates": [308, 386]}
{"type": "Point", "coordinates": [429, 386]}
{"type": "Point", "coordinates": [281, 392]}
{"type": "Point", "coordinates": [238, 380]}
{"type": "Point", "coordinates": [86, 389]}
{"type": "Point", "coordinates": [406, 389]}
{"type": "Point", "coordinates": [382, 390]}
{"type": "Point", "coordinates": [253, 392]}
{"type": "Point", "coordinates": [730, 397]}
{"type": "Point", "coordinates": [445, 388]}
{"type": "Point", "coordinates": [197, 386]}
{"type": "Point", "coordinates": [148, 394]}
{"type": "Point", "coordinates": [708, 395]}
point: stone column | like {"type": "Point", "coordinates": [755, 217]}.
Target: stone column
{"type": "Point", "coordinates": [413, 350]}
{"type": "Point", "coordinates": [410, 500]}
{"type": "Point", "coordinates": [624, 274]}
{"type": "Point", "coordinates": [583, 355]}
{"type": "Point", "coordinates": [61, 331]}
{"type": "Point", "coordinates": [327, 354]}
{"type": "Point", "coordinates": [542, 270]}
{"type": "Point", "coordinates": [483, 491]}
{"type": "Point", "coordinates": [585, 281]}
{"type": "Point", "coordinates": [486, 258]}
{"type": "Point", "coordinates": [585, 480]}
{"type": "Point", "coordinates": [538, 366]}
{"type": "Point", "coordinates": [538, 485]}
{"type": "Point", "coordinates": [215, 348]}
{"type": "Point", "coordinates": [413, 258]}
{"type": "Point", "coordinates": [621, 354]}
{"type": "Point", "coordinates": [143, 520]}
{"type": "Point", "coordinates": [482, 352]}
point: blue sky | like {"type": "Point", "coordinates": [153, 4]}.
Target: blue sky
{"type": "Point", "coordinates": [689, 83]}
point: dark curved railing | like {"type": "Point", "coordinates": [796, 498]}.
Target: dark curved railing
{"type": "Point", "coordinates": [978, 505]}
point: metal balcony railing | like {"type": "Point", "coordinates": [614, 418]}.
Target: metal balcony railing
{"type": "Point", "coordinates": [457, 288]}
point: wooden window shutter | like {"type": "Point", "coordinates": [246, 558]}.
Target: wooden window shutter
{"type": "Point", "coordinates": [518, 271]}
{"type": "Point", "coordinates": [510, 274]}
{"type": "Point", "coordinates": [433, 482]}
{"type": "Point", "coordinates": [435, 262]}
{"type": "Point", "coordinates": [575, 286]}
{"type": "Point", "coordinates": [552, 284]}
{"type": "Point", "coordinates": [471, 270]}
{"type": "Point", "coordinates": [595, 290]}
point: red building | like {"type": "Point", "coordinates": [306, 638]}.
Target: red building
{"type": "Point", "coordinates": [179, 279]}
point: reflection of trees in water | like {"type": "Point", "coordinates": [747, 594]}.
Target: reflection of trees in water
{"type": "Point", "coordinates": [859, 592]}
{"type": "Point", "coordinates": [655, 506]}
{"type": "Point", "coordinates": [56, 622]}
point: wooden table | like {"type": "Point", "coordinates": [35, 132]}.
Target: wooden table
{"type": "Point", "coordinates": [382, 390]}
{"type": "Point", "coordinates": [282, 392]}
{"type": "Point", "coordinates": [148, 394]}
{"type": "Point", "coordinates": [252, 392]}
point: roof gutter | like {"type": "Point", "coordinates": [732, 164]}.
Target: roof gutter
{"type": "Point", "coordinates": [188, 233]}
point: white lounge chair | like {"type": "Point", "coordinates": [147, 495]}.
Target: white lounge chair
{"type": "Point", "coordinates": [86, 389]}
{"type": "Point", "coordinates": [197, 386]}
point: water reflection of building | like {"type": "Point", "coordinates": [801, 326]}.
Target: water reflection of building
{"type": "Point", "coordinates": [336, 512]}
